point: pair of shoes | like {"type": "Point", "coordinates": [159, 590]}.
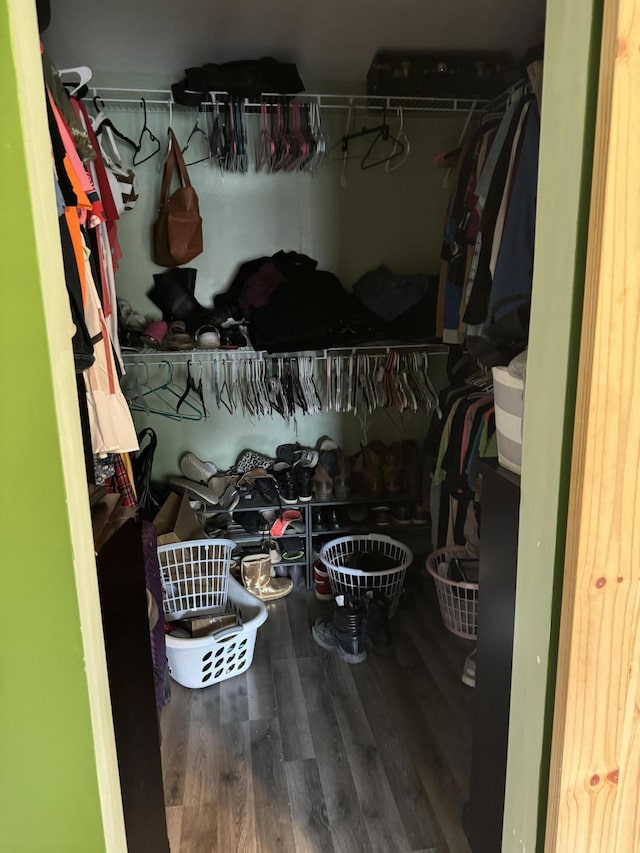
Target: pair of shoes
{"type": "Point", "coordinates": [255, 570]}
{"type": "Point", "coordinates": [356, 625]}
{"type": "Point", "coordinates": [469, 670]}
{"type": "Point", "coordinates": [321, 583]}
{"type": "Point", "coordinates": [328, 519]}
{"type": "Point", "coordinates": [294, 482]}
{"type": "Point", "coordinates": [197, 470]}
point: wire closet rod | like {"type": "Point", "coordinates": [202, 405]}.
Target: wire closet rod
{"type": "Point", "coordinates": [179, 356]}
{"type": "Point", "coordinates": [164, 98]}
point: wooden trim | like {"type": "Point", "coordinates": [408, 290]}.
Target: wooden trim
{"type": "Point", "coordinates": [595, 760]}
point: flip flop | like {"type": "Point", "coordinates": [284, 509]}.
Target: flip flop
{"type": "Point", "coordinates": [290, 518]}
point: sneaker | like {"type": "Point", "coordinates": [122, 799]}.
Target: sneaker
{"type": "Point", "coordinates": [418, 515]}
{"type": "Point", "coordinates": [321, 584]}
{"type": "Point", "coordinates": [401, 513]}
{"type": "Point", "coordinates": [285, 479]}
{"type": "Point", "coordinates": [469, 670]}
{"type": "Point", "coordinates": [197, 470]}
{"type": "Point", "coordinates": [249, 459]}
{"type": "Point", "coordinates": [304, 481]}
{"type": "Point", "coordinates": [381, 516]}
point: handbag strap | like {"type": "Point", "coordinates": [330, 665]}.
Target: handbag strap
{"type": "Point", "coordinates": [174, 158]}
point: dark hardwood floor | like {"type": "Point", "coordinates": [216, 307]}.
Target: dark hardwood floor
{"type": "Point", "coordinates": [304, 753]}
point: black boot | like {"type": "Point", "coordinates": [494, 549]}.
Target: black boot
{"type": "Point", "coordinates": [344, 631]}
{"type": "Point", "coordinates": [304, 482]}
{"type": "Point", "coordinates": [348, 621]}
{"type": "Point", "coordinates": [173, 293]}
{"type": "Point", "coordinates": [285, 479]}
{"type": "Point", "coordinates": [377, 632]}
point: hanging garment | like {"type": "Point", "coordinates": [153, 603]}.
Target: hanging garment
{"type": "Point", "coordinates": [112, 429]}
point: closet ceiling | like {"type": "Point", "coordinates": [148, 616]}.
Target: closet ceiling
{"type": "Point", "coordinates": [330, 40]}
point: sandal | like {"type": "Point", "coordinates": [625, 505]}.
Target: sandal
{"type": "Point", "coordinates": [177, 337]}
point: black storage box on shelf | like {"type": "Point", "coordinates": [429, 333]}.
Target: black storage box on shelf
{"type": "Point", "coordinates": [420, 74]}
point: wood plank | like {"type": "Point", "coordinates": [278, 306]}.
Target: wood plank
{"type": "Point", "coordinates": [235, 794]}
{"type": "Point", "coordinates": [277, 631]}
{"type": "Point", "coordinates": [297, 742]}
{"type": "Point", "coordinates": [199, 828]}
{"type": "Point", "coordinates": [261, 696]}
{"type": "Point", "coordinates": [403, 778]}
{"type": "Point", "coordinates": [443, 798]}
{"type": "Point", "coordinates": [383, 822]}
{"type": "Point", "coordinates": [234, 704]}
{"type": "Point", "coordinates": [204, 747]}
{"type": "Point", "coordinates": [301, 612]}
{"type": "Point", "coordinates": [274, 830]}
{"type": "Point", "coordinates": [595, 760]}
{"type": "Point", "coordinates": [340, 796]}
{"type": "Point", "coordinates": [451, 740]}
{"type": "Point", "coordinates": [174, 826]}
{"type": "Point", "coordinates": [311, 829]}
{"type": "Point", "coordinates": [174, 727]}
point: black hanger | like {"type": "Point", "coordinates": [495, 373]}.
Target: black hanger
{"type": "Point", "coordinates": [196, 129]}
{"type": "Point", "coordinates": [382, 133]}
{"type": "Point", "coordinates": [197, 390]}
{"type": "Point", "coordinates": [151, 136]}
{"type": "Point", "coordinates": [106, 122]}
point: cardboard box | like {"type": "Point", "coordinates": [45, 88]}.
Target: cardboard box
{"type": "Point", "coordinates": [177, 522]}
{"type": "Point", "coordinates": [207, 625]}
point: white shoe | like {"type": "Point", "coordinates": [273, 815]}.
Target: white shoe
{"type": "Point", "coordinates": [469, 670]}
{"type": "Point", "coordinates": [197, 470]}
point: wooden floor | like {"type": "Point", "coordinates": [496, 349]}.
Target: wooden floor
{"type": "Point", "coordinates": [304, 753]}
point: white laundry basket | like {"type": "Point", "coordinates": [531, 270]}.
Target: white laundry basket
{"type": "Point", "coordinates": [458, 601]}
{"type": "Point", "coordinates": [202, 661]}
{"type": "Point", "coordinates": [346, 580]}
{"type": "Point", "coordinates": [195, 576]}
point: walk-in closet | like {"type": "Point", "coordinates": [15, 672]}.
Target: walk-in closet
{"type": "Point", "coordinates": [359, 188]}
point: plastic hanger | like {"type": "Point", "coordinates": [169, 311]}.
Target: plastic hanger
{"type": "Point", "coordinates": [383, 135]}
{"type": "Point", "coordinates": [197, 390]}
{"type": "Point", "coordinates": [84, 74]}
{"type": "Point", "coordinates": [145, 131]}
{"type": "Point", "coordinates": [102, 122]}
{"type": "Point", "coordinates": [404, 140]}
{"type": "Point", "coordinates": [167, 393]}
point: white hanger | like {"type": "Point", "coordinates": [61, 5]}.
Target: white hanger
{"type": "Point", "coordinates": [402, 139]}
{"type": "Point", "coordinates": [83, 72]}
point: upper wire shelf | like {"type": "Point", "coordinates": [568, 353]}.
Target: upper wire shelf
{"type": "Point", "coordinates": [163, 99]}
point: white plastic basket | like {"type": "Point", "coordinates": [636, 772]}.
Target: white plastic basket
{"type": "Point", "coordinates": [346, 580]}
{"type": "Point", "coordinates": [458, 601]}
{"type": "Point", "coordinates": [195, 576]}
{"type": "Point", "coordinates": [203, 661]}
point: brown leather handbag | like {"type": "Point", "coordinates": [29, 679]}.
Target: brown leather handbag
{"type": "Point", "coordinates": [177, 232]}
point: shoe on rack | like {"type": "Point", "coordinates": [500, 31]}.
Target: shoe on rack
{"type": "Point", "coordinates": [418, 514]}
{"type": "Point", "coordinates": [373, 455]}
{"type": "Point", "coordinates": [321, 583]}
{"type": "Point", "coordinates": [250, 459]}
{"type": "Point", "coordinates": [304, 481]}
{"type": "Point", "coordinates": [284, 476]}
{"type": "Point", "coordinates": [197, 470]}
{"type": "Point", "coordinates": [273, 550]}
{"type": "Point", "coordinates": [401, 513]}
{"type": "Point", "coordinates": [357, 513]}
{"type": "Point", "coordinates": [296, 454]}
{"type": "Point", "coordinates": [318, 521]}
{"type": "Point", "coordinates": [336, 519]}
{"type": "Point", "coordinates": [255, 570]}
{"type": "Point", "coordinates": [344, 631]}
{"type": "Point", "coordinates": [377, 632]}
{"type": "Point", "coordinates": [381, 516]}
{"type": "Point", "coordinates": [469, 670]}
{"type": "Point", "coordinates": [391, 462]}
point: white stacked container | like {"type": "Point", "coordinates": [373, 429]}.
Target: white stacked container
{"type": "Point", "coordinates": [508, 392]}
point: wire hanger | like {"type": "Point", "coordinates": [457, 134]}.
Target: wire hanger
{"type": "Point", "coordinates": [101, 121]}
{"type": "Point", "coordinates": [404, 140]}
{"type": "Point", "coordinates": [152, 138]}
{"type": "Point", "coordinates": [196, 130]}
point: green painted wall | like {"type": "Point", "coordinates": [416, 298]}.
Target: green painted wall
{"type": "Point", "coordinates": [568, 115]}
{"type": "Point", "coordinates": [48, 785]}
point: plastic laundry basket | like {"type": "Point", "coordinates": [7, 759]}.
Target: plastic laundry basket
{"type": "Point", "coordinates": [195, 576]}
{"type": "Point", "coordinates": [458, 601]}
{"type": "Point", "coordinates": [346, 580]}
{"type": "Point", "coordinates": [202, 661]}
